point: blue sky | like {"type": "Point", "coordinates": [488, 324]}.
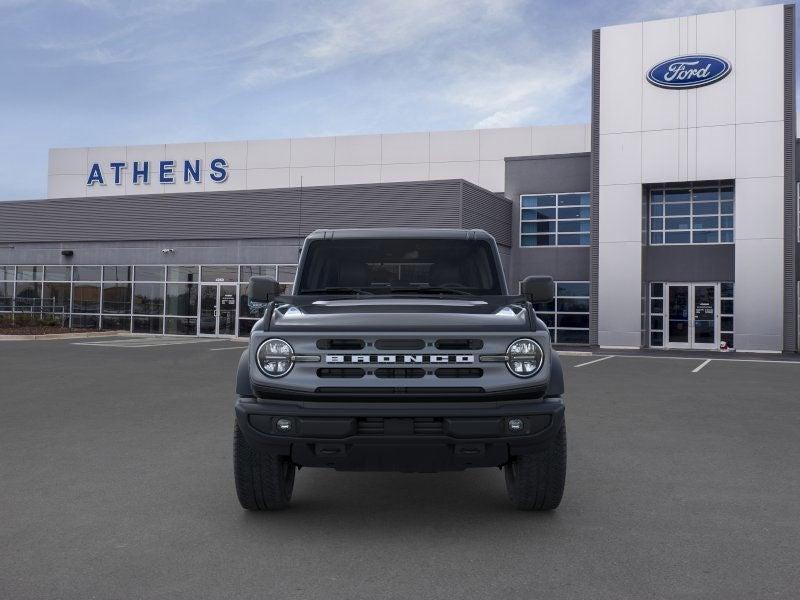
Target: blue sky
{"type": "Point", "coordinates": [99, 72]}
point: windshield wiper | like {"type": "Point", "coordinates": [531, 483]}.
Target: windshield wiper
{"type": "Point", "coordinates": [337, 290]}
{"type": "Point", "coordinates": [430, 290]}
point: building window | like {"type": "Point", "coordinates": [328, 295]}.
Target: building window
{"type": "Point", "coordinates": [696, 215]}
{"type": "Point", "coordinates": [567, 315]}
{"type": "Point", "coordinates": [726, 313]}
{"type": "Point", "coordinates": [656, 315]}
{"type": "Point", "coordinates": [554, 220]}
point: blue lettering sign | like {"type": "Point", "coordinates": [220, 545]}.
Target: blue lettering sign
{"type": "Point", "coordinates": [684, 72]}
{"type": "Point", "coordinates": [143, 173]}
{"type": "Point", "coordinates": [191, 173]}
{"type": "Point", "coordinates": [219, 170]}
{"type": "Point", "coordinates": [117, 166]}
{"type": "Point", "coordinates": [95, 175]}
{"type": "Point", "coordinates": [168, 171]}
{"type": "Point", "coordinates": [165, 174]}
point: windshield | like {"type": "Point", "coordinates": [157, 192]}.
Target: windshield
{"type": "Point", "coordinates": [400, 266]}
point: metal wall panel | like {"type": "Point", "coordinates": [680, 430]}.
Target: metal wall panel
{"type": "Point", "coordinates": [234, 215]}
{"type": "Point", "coordinates": [790, 341]}
{"type": "Point", "coordinates": [484, 210]}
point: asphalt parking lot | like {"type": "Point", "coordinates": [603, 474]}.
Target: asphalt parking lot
{"type": "Point", "coordinates": [116, 482]}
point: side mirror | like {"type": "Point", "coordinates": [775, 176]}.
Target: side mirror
{"type": "Point", "coordinates": [538, 288]}
{"type": "Point", "coordinates": [263, 289]}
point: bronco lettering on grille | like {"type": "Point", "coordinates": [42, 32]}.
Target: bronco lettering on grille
{"type": "Point", "coordinates": [399, 358]}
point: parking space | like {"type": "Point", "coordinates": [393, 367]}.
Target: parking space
{"type": "Point", "coordinates": [115, 463]}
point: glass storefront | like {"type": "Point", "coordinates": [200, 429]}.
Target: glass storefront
{"type": "Point", "coordinates": [691, 315]}
{"type": "Point", "coordinates": [175, 300]}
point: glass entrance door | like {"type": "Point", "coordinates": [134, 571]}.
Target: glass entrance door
{"type": "Point", "coordinates": [704, 328]}
{"type": "Point", "coordinates": [693, 315]}
{"type": "Point", "coordinates": [678, 316]}
{"type": "Point", "coordinates": [217, 310]}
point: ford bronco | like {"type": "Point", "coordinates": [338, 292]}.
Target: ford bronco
{"type": "Point", "coordinates": [399, 350]}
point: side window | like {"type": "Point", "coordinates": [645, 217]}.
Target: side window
{"type": "Point", "coordinates": [554, 220]}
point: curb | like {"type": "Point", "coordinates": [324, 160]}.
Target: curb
{"type": "Point", "coordinates": [60, 336]}
{"type": "Point", "coordinates": [573, 353]}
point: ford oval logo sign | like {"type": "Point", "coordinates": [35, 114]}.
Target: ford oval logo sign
{"type": "Point", "coordinates": [683, 72]}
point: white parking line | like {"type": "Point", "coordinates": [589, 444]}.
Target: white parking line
{"type": "Point", "coordinates": [591, 362]}
{"type": "Point", "coordinates": [701, 365]}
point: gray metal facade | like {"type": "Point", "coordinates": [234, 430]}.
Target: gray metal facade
{"type": "Point", "coordinates": [790, 278]}
{"type": "Point", "coordinates": [234, 227]}
{"type": "Point", "coordinates": [559, 173]}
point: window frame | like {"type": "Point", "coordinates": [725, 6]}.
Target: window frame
{"type": "Point", "coordinates": [691, 216]}
{"type": "Point", "coordinates": [555, 220]}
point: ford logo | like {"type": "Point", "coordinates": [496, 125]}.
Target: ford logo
{"type": "Point", "coordinates": [683, 72]}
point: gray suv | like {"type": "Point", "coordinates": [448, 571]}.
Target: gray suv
{"type": "Point", "coordinates": [399, 350]}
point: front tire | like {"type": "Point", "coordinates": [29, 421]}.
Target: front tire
{"type": "Point", "coordinates": [536, 481]}
{"type": "Point", "coordinates": [263, 481]}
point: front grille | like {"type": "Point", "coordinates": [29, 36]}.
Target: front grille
{"type": "Point", "coordinates": [340, 344]}
{"type": "Point", "coordinates": [370, 426]}
{"type": "Point", "coordinates": [459, 344]}
{"type": "Point", "coordinates": [400, 344]}
{"type": "Point", "coordinates": [421, 391]}
{"type": "Point", "coordinates": [459, 373]}
{"type": "Point", "coordinates": [399, 373]}
{"type": "Point", "coordinates": [428, 426]}
{"type": "Point", "coordinates": [415, 426]}
{"type": "Point", "coordinates": [344, 373]}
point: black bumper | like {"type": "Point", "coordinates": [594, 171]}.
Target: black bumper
{"type": "Point", "coordinates": [394, 436]}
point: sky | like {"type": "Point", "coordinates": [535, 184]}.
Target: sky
{"type": "Point", "coordinates": [103, 73]}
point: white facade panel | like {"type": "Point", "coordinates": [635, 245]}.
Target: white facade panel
{"type": "Point", "coordinates": [67, 161]}
{"type": "Point", "coordinates": [620, 158]}
{"type": "Point", "coordinates": [660, 108]}
{"type": "Point", "coordinates": [405, 148]}
{"type": "Point", "coordinates": [456, 170]}
{"type": "Point", "coordinates": [346, 174]}
{"type": "Point", "coordinates": [492, 175]}
{"type": "Point", "coordinates": [619, 294]}
{"type": "Point", "coordinates": [759, 149]}
{"type": "Point", "coordinates": [234, 153]}
{"type": "Point", "coordinates": [405, 172]}
{"type": "Point", "coordinates": [313, 152]}
{"type": "Point", "coordinates": [621, 213]}
{"type": "Point", "coordinates": [759, 209]}
{"type": "Point", "coordinates": [66, 186]}
{"type": "Point", "coordinates": [358, 150]}
{"type": "Point", "coordinates": [716, 104]}
{"type": "Point", "coordinates": [308, 176]}
{"type": "Point", "coordinates": [269, 154]}
{"type": "Point", "coordinates": [713, 157]}
{"type": "Point", "coordinates": [759, 64]}
{"type": "Point", "coordinates": [621, 78]}
{"type": "Point", "coordinates": [454, 146]}
{"type": "Point", "coordinates": [662, 159]}
{"type": "Point", "coordinates": [561, 139]}
{"type": "Point", "coordinates": [497, 144]}
{"type": "Point", "coordinates": [759, 294]}
{"type": "Point", "coordinates": [260, 179]}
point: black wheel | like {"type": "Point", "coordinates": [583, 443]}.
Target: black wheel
{"type": "Point", "coordinates": [536, 481]}
{"type": "Point", "coordinates": [263, 481]}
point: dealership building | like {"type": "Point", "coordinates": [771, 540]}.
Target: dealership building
{"type": "Point", "coordinates": [669, 221]}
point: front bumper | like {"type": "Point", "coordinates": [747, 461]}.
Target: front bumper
{"type": "Point", "coordinates": [392, 436]}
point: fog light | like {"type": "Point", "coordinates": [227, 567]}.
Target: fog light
{"type": "Point", "coordinates": [516, 424]}
{"type": "Point", "coordinates": [284, 425]}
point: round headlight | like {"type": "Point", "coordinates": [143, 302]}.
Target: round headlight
{"type": "Point", "coordinates": [275, 357]}
{"type": "Point", "coordinates": [524, 357]}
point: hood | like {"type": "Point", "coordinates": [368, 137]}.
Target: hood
{"type": "Point", "coordinates": [391, 313]}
